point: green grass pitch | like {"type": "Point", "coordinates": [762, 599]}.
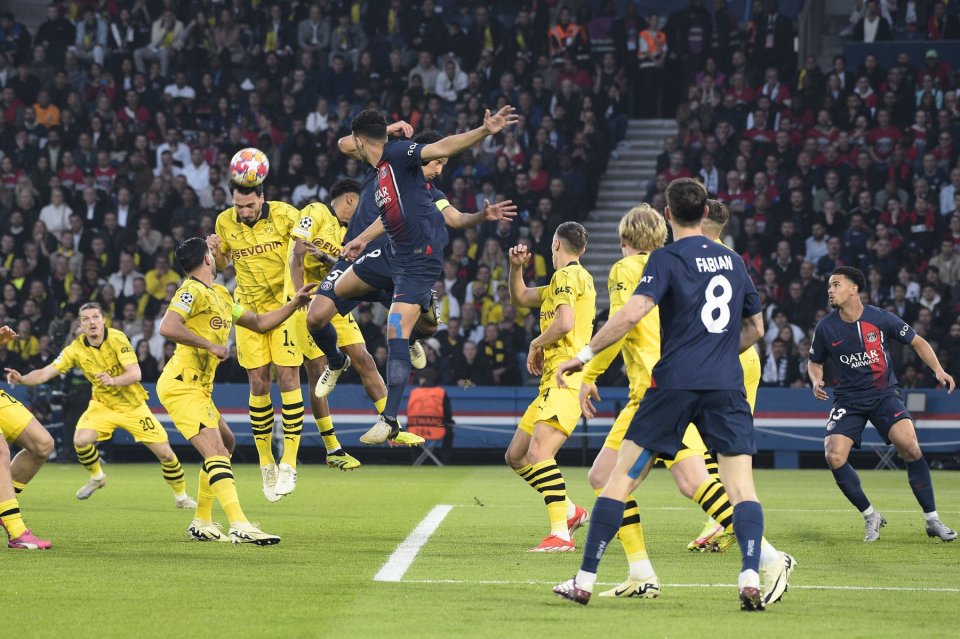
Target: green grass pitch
{"type": "Point", "coordinates": [122, 567]}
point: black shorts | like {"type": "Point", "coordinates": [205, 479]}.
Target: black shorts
{"type": "Point", "coordinates": [722, 416]}
{"type": "Point", "coordinates": [413, 279]}
{"type": "Point", "coordinates": [346, 305]}
{"type": "Point", "coordinates": [849, 417]}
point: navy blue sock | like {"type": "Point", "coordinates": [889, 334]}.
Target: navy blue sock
{"type": "Point", "coordinates": [849, 483]}
{"type": "Point", "coordinates": [326, 339]}
{"type": "Point", "coordinates": [748, 527]}
{"type": "Point", "coordinates": [398, 371]}
{"type": "Point", "coordinates": [604, 523]}
{"type": "Point", "coordinates": [918, 473]}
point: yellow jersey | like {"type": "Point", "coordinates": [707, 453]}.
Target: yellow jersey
{"type": "Point", "coordinates": [208, 312]}
{"type": "Point", "coordinates": [321, 227]}
{"type": "Point", "coordinates": [749, 359]}
{"type": "Point", "coordinates": [112, 356]}
{"type": "Point", "coordinates": [259, 253]}
{"type": "Point", "coordinates": [571, 285]}
{"type": "Point", "coordinates": [641, 345]}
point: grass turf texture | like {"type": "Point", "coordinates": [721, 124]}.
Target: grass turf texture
{"type": "Point", "coordinates": [122, 566]}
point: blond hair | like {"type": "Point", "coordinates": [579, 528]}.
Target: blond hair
{"type": "Point", "coordinates": [643, 228]}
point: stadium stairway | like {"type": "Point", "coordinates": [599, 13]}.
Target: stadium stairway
{"type": "Point", "coordinates": [622, 187]}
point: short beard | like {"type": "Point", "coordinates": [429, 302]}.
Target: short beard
{"type": "Point", "coordinates": [834, 305]}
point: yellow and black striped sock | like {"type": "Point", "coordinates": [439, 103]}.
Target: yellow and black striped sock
{"type": "Point", "coordinates": [261, 421]}
{"type": "Point", "coordinates": [223, 486]}
{"type": "Point", "coordinates": [712, 498]}
{"type": "Point", "coordinates": [713, 468]}
{"type": "Point", "coordinates": [329, 435]}
{"type": "Point", "coordinates": [18, 486]}
{"type": "Point", "coordinates": [89, 456]}
{"type": "Point", "coordinates": [380, 404]}
{"type": "Point", "coordinates": [292, 425]}
{"type": "Point", "coordinates": [11, 518]}
{"type": "Point", "coordinates": [173, 475]}
{"type": "Point", "coordinates": [205, 497]}
{"type": "Point", "coordinates": [545, 477]}
{"type": "Point", "coordinates": [631, 532]}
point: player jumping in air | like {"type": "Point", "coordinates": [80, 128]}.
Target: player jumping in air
{"type": "Point", "coordinates": [855, 338]}
{"type": "Point", "coordinates": [643, 230]}
{"type": "Point", "coordinates": [567, 309]}
{"type": "Point", "coordinates": [704, 296]}
{"type": "Point", "coordinates": [199, 320]}
{"type": "Point", "coordinates": [13, 417]}
{"type": "Point", "coordinates": [119, 401]}
{"type": "Point", "coordinates": [408, 215]}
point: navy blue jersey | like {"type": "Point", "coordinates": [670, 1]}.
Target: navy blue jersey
{"type": "Point", "coordinates": [442, 236]}
{"type": "Point", "coordinates": [859, 352]}
{"type": "Point", "coordinates": [367, 212]}
{"type": "Point", "coordinates": [406, 205]}
{"type": "Point", "coordinates": [702, 291]}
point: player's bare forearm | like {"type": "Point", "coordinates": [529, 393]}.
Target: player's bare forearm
{"type": "Point", "coordinates": [815, 372]}
{"type": "Point", "coordinates": [266, 322]}
{"type": "Point", "coordinates": [221, 260]}
{"type": "Point", "coordinates": [131, 375]}
{"type": "Point", "coordinates": [562, 324]}
{"type": "Point", "coordinates": [621, 322]}
{"type": "Point", "coordinates": [925, 353]}
{"type": "Point", "coordinates": [33, 378]}
{"type": "Point", "coordinates": [453, 144]}
{"type": "Point", "coordinates": [751, 331]}
{"type": "Point", "coordinates": [174, 329]}
{"type": "Point", "coordinates": [348, 147]}
{"type": "Point", "coordinates": [520, 293]}
{"type": "Point", "coordinates": [296, 265]}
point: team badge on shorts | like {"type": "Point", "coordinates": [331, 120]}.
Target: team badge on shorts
{"type": "Point", "coordinates": [326, 285]}
{"type": "Point", "coordinates": [831, 425]}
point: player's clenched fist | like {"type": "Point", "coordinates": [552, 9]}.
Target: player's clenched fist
{"type": "Point", "coordinates": [214, 243]}
{"type": "Point", "coordinates": [7, 334]}
{"type": "Point", "coordinates": [519, 255]}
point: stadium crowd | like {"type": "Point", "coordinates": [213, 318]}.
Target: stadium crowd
{"type": "Point", "coordinates": [119, 118]}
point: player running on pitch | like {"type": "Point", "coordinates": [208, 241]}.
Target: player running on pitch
{"type": "Point", "coordinates": [119, 401]}
{"type": "Point", "coordinates": [704, 295]}
{"type": "Point", "coordinates": [855, 338]}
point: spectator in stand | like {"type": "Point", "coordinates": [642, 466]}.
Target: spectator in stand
{"type": "Point", "coordinates": [872, 27]}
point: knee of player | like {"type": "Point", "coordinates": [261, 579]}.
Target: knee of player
{"type": "Point", "coordinates": [835, 458]}
{"type": "Point", "coordinates": [685, 486]}
{"type": "Point", "coordinates": [597, 478]}
{"type": "Point", "coordinates": [910, 452]}
{"type": "Point", "coordinates": [512, 461]}
{"type": "Point", "coordinates": [166, 456]}
{"type": "Point", "coordinates": [45, 445]}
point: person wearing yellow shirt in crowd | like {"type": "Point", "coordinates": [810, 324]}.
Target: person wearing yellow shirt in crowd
{"type": "Point", "coordinates": [160, 276]}
{"type": "Point", "coordinates": [25, 345]}
{"type": "Point", "coordinates": [12, 413]}
{"type": "Point", "coordinates": [567, 309]}
{"type": "Point", "coordinates": [119, 401]}
{"type": "Point", "coordinates": [199, 320]}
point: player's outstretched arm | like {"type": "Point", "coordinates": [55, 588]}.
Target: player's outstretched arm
{"type": "Point", "coordinates": [131, 375]}
{"type": "Point", "coordinates": [815, 373]}
{"type": "Point", "coordinates": [7, 335]}
{"type": "Point", "coordinates": [355, 247]}
{"type": "Point", "coordinates": [174, 328]}
{"type": "Point", "coordinates": [520, 293]}
{"type": "Point", "coordinates": [457, 219]}
{"type": "Point", "coordinates": [751, 331]}
{"type": "Point", "coordinates": [455, 144]}
{"type": "Point", "coordinates": [925, 352]}
{"type": "Point", "coordinates": [266, 322]}
{"type": "Point", "coordinates": [33, 378]}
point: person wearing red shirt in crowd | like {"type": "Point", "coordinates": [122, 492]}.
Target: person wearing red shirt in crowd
{"type": "Point", "coordinates": [883, 137]}
{"type": "Point", "coordinates": [737, 198]}
{"type": "Point", "coordinates": [759, 133]}
{"type": "Point", "coordinates": [846, 152]}
{"type": "Point", "coordinates": [761, 185]}
{"type": "Point", "coordinates": [742, 94]}
{"type": "Point", "coordinates": [134, 114]}
{"type": "Point", "coordinates": [824, 132]}
{"type": "Point", "coordinates": [941, 26]}
{"type": "Point", "coordinates": [778, 93]}
{"type": "Point", "coordinates": [895, 217]}
{"type": "Point", "coordinates": [677, 169]}
{"type": "Point", "coordinates": [932, 67]}
{"type": "Point", "coordinates": [71, 175]}
{"type": "Point", "coordinates": [944, 152]}
{"type": "Point", "coordinates": [866, 93]}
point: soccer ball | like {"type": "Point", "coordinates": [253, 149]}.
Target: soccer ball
{"type": "Point", "coordinates": [249, 167]}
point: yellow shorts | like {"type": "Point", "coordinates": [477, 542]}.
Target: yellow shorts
{"type": "Point", "coordinates": [190, 406]}
{"type": "Point", "coordinates": [139, 422]}
{"type": "Point", "coordinates": [751, 380]}
{"type": "Point", "coordinates": [558, 407]}
{"type": "Point", "coordinates": [14, 417]}
{"type": "Point", "coordinates": [348, 333]}
{"type": "Point", "coordinates": [691, 446]}
{"type": "Point", "coordinates": [280, 346]}
{"type": "Point", "coordinates": [620, 424]}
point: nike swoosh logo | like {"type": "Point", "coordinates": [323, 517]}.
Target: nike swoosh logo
{"type": "Point", "coordinates": [837, 343]}
{"type": "Point", "coordinates": [899, 414]}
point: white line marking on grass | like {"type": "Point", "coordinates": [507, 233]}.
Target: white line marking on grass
{"type": "Point", "coordinates": [405, 554]}
{"type": "Point", "coordinates": [765, 509]}
{"type": "Point", "coordinates": [613, 583]}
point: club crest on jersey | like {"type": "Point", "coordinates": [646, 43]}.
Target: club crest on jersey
{"type": "Point", "coordinates": [872, 336]}
{"type": "Point", "coordinates": [383, 172]}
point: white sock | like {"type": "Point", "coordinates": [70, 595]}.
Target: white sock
{"type": "Point", "coordinates": [563, 534]}
{"type": "Point", "coordinates": [866, 513]}
{"type": "Point", "coordinates": [641, 569]}
{"type": "Point", "coordinates": [749, 579]}
{"type": "Point", "coordinates": [99, 475]}
{"type": "Point", "coordinates": [768, 554]}
{"type": "Point", "coordinates": [571, 508]}
{"type": "Point", "coordinates": [181, 495]}
{"type": "Point", "coordinates": [585, 580]}
{"type": "Point", "coordinates": [931, 515]}
{"type": "Point", "coordinates": [331, 451]}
